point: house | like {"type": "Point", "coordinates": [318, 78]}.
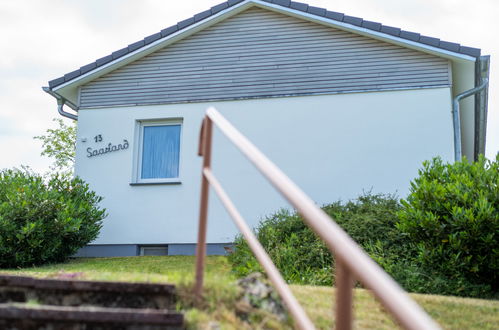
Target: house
{"type": "Point", "coordinates": [341, 104]}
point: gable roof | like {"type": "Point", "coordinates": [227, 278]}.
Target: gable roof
{"type": "Point", "coordinates": [332, 16]}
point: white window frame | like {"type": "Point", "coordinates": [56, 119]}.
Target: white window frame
{"type": "Point", "coordinates": [139, 135]}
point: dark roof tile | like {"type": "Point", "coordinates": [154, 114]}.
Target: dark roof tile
{"type": "Point", "coordinates": [390, 30]}
{"type": "Point", "coordinates": [284, 3]}
{"type": "Point", "coordinates": [469, 51]}
{"type": "Point", "coordinates": [352, 20]}
{"type": "Point", "coordinates": [135, 46]}
{"type": "Point", "coordinates": [88, 67]}
{"type": "Point", "coordinates": [152, 38]}
{"type": "Point", "coordinates": [375, 26]}
{"type": "Point", "coordinates": [298, 6]}
{"type": "Point", "coordinates": [169, 30]}
{"type": "Point", "coordinates": [55, 82]}
{"type": "Point", "coordinates": [335, 15]}
{"type": "Point", "coordinates": [234, 2]}
{"type": "Point", "coordinates": [71, 75]}
{"type": "Point", "coordinates": [185, 23]}
{"type": "Point", "coordinates": [452, 46]}
{"type": "Point", "coordinates": [317, 11]}
{"type": "Point", "coordinates": [429, 41]}
{"type": "Point", "coordinates": [104, 60]}
{"type": "Point", "coordinates": [409, 35]}
{"type": "Point", "coordinates": [119, 53]}
{"type": "Point", "coordinates": [219, 7]}
{"type": "Point", "coordinates": [202, 15]}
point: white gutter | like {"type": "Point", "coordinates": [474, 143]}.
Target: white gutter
{"type": "Point", "coordinates": [60, 104]}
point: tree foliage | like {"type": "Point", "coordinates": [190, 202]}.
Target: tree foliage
{"type": "Point", "coordinates": [59, 144]}
{"type": "Point", "coordinates": [45, 221]}
{"type": "Point", "coordinates": [452, 217]}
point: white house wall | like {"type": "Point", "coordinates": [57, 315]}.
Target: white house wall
{"type": "Point", "coordinates": [333, 146]}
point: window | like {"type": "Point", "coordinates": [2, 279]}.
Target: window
{"type": "Point", "coordinates": [158, 152]}
{"type": "Point", "coordinates": [153, 250]}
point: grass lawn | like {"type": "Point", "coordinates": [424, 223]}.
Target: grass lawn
{"type": "Point", "coordinates": [221, 293]}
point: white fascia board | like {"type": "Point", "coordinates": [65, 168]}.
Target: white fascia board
{"type": "Point", "coordinates": [160, 43]}
{"type": "Point", "coordinates": [230, 11]}
{"type": "Point", "coordinates": [366, 32]}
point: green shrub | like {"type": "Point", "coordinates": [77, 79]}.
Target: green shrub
{"type": "Point", "coordinates": [457, 255]}
{"type": "Point", "coordinates": [303, 258]}
{"type": "Point", "coordinates": [452, 217]}
{"type": "Point", "coordinates": [43, 222]}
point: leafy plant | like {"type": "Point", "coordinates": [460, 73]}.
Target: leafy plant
{"type": "Point", "coordinates": [452, 217]}
{"type": "Point", "coordinates": [59, 144]}
{"type": "Point", "coordinates": [303, 258]}
{"type": "Point", "coordinates": [412, 248]}
{"type": "Point", "coordinates": [42, 222]}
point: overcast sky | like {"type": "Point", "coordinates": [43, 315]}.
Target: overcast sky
{"type": "Point", "coordinates": [42, 40]}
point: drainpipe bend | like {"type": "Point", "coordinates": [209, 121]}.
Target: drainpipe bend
{"type": "Point", "coordinates": [456, 116]}
{"type": "Point", "coordinates": [60, 105]}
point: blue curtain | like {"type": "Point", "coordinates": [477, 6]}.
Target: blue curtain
{"type": "Point", "coordinates": [160, 151]}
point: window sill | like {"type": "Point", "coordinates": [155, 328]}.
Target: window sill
{"type": "Point", "coordinates": [155, 183]}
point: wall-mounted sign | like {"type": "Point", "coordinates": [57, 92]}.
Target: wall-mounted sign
{"type": "Point", "coordinates": [110, 148]}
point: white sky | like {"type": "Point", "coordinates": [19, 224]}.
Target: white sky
{"type": "Point", "coordinates": [42, 40]}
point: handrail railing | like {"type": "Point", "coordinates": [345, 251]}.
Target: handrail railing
{"type": "Point", "coordinates": [351, 261]}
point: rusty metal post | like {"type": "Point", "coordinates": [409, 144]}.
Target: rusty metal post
{"type": "Point", "coordinates": [344, 286]}
{"type": "Point", "coordinates": [205, 152]}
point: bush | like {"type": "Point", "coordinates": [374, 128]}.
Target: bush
{"type": "Point", "coordinates": [452, 217]}
{"type": "Point", "coordinates": [442, 240]}
{"type": "Point", "coordinates": [294, 248]}
{"type": "Point", "coordinates": [303, 258]}
{"type": "Point", "coordinates": [44, 222]}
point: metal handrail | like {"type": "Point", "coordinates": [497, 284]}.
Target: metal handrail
{"type": "Point", "coordinates": [351, 261]}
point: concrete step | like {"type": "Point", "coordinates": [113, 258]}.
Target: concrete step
{"type": "Point", "coordinates": [55, 304]}
{"type": "Point", "coordinates": [31, 317]}
{"type": "Point", "coordinates": [86, 293]}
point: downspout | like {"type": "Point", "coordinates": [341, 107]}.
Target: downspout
{"type": "Point", "coordinates": [481, 103]}
{"type": "Point", "coordinates": [60, 104]}
{"type": "Point", "coordinates": [457, 117]}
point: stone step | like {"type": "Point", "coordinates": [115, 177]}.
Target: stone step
{"type": "Point", "coordinates": [91, 293]}
{"type": "Point", "coordinates": [28, 317]}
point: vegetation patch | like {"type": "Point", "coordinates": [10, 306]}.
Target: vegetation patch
{"type": "Point", "coordinates": [45, 220]}
{"type": "Point", "coordinates": [442, 239]}
{"type": "Point", "coordinates": [221, 295]}
{"type": "Point", "coordinates": [451, 217]}
{"type": "Point", "coordinates": [303, 258]}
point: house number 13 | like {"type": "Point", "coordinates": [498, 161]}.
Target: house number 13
{"type": "Point", "coordinates": [98, 138]}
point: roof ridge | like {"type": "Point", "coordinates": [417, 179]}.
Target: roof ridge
{"type": "Point", "coordinates": [299, 6]}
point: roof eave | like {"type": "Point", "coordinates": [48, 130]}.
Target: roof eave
{"type": "Point", "coordinates": [312, 14]}
{"type": "Point", "coordinates": [318, 15]}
